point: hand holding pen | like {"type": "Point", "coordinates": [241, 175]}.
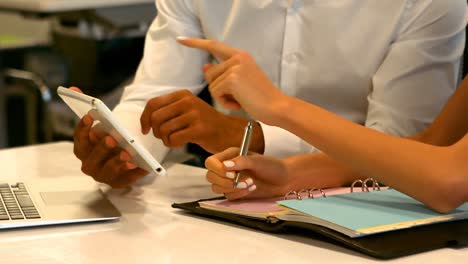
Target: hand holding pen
{"type": "Point", "coordinates": [244, 149]}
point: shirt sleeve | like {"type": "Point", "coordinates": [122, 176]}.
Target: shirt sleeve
{"type": "Point", "coordinates": [421, 69]}
{"type": "Point", "coordinates": [166, 66]}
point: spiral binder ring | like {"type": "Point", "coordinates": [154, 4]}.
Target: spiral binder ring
{"type": "Point", "coordinates": [296, 195]}
{"type": "Point", "coordinates": [305, 191]}
{"type": "Point", "coordinates": [351, 189]}
{"type": "Point", "coordinates": [320, 190]}
{"type": "Point", "coordinates": [309, 193]}
{"type": "Point", "coordinates": [299, 195]}
{"type": "Point", "coordinates": [375, 184]}
{"type": "Point", "coordinates": [364, 186]}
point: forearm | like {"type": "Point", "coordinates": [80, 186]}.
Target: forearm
{"type": "Point", "coordinates": [399, 163]}
{"type": "Point", "coordinates": [317, 170]}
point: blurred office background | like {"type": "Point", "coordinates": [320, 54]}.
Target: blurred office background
{"type": "Point", "coordinates": [96, 49]}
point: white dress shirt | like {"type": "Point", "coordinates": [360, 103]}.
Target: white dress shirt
{"type": "Point", "coordinates": [390, 65]}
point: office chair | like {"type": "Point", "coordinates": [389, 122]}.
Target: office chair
{"type": "Point", "coordinates": [26, 105]}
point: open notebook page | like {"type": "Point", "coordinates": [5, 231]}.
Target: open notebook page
{"type": "Point", "coordinates": [260, 208]}
{"type": "Point", "coordinates": [370, 212]}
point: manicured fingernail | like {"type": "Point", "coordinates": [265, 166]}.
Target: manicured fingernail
{"type": "Point", "coordinates": [181, 38]}
{"type": "Point", "coordinates": [249, 181]}
{"type": "Point", "coordinates": [241, 185]}
{"type": "Point", "coordinates": [229, 163]}
{"type": "Point", "coordinates": [230, 175]}
{"type": "Point", "coordinates": [252, 188]}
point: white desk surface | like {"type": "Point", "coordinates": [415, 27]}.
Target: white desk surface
{"type": "Point", "coordinates": [150, 231]}
{"type": "Point", "coordinates": [48, 6]}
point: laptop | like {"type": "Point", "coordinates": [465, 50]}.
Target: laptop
{"type": "Point", "coordinates": [39, 203]}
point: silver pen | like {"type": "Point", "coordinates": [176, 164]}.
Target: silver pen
{"type": "Point", "coordinates": [244, 149]}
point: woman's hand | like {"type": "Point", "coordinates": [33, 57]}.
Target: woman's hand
{"type": "Point", "coordinates": [261, 176]}
{"type": "Point", "coordinates": [238, 82]}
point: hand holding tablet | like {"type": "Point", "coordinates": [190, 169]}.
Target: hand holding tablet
{"type": "Point", "coordinates": [83, 104]}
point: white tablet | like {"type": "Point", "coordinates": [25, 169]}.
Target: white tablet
{"type": "Point", "coordinates": [83, 104]}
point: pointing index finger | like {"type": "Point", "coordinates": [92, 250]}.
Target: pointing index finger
{"type": "Point", "coordinates": [216, 48]}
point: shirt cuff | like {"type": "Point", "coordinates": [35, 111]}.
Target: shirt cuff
{"type": "Point", "coordinates": [282, 143]}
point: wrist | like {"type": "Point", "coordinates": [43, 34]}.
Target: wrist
{"type": "Point", "coordinates": [293, 183]}
{"type": "Point", "coordinates": [279, 111]}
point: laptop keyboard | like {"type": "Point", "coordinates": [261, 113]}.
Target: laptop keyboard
{"type": "Point", "coordinates": [16, 203]}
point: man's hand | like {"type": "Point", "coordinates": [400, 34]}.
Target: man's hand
{"type": "Point", "coordinates": [100, 156]}
{"type": "Point", "coordinates": [181, 117]}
